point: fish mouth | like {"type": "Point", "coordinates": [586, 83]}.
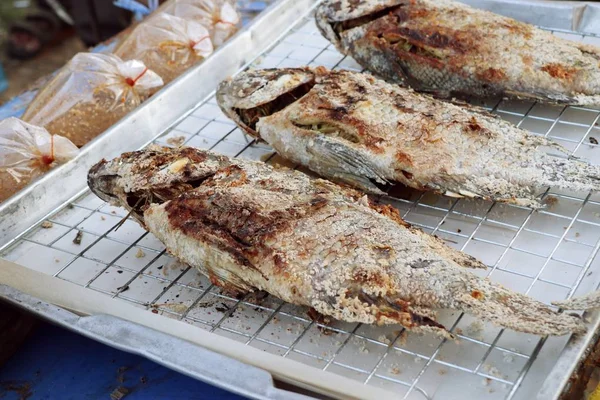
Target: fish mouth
{"type": "Point", "coordinates": [256, 94]}
{"type": "Point", "coordinates": [102, 183]}
{"type": "Point", "coordinates": [105, 184]}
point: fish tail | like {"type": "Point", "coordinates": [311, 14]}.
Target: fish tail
{"type": "Point", "coordinates": [591, 300]}
{"type": "Point", "coordinates": [516, 311]}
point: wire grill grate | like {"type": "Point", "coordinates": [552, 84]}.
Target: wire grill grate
{"type": "Point", "coordinates": [549, 254]}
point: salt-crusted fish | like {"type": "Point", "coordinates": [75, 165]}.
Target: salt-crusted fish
{"type": "Point", "coordinates": [360, 130]}
{"type": "Point", "coordinates": [450, 48]}
{"type": "Point", "coordinates": [249, 226]}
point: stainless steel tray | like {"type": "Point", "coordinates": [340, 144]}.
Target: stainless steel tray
{"type": "Point", "coordinates": [549, 254]}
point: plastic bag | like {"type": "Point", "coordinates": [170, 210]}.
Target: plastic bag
{"type": "Point", "coordinates": [218, 16]}
{"type": "Point", "coordinates": [89, 94]}
{"type": "Point", "coordinates": [167, 44]}
{"type": "Point", "coordinates": [27, 151]}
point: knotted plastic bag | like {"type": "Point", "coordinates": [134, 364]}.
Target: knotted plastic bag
{"type": "Point", "coordinates": [89, 94]}
{"type": "Point", "coordinates": [167, 44]}
{"type": "Point", "coordinates": [218, 16]}
{"type": "Point", "coordinates": [26, 152]}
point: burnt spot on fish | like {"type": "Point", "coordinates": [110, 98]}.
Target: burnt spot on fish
{"type": "Point", "coordinates": [476, 294]}
{"type": "Point", "coordinates": [421, 39]}
{"type": "Point", "coordinates": [475, 127]}
{"type": "Point", "coordinates": [492, 75]}
{"type": "Point", "coordinates": [559, 71]}
{"type": "Point", "coordinates": [403, 158]}
{"type": "Point", "coordinates": [407, 30]}
{"type": "Point", "coordinates": [209, 231]}
{"type": "Point", "coordinates": [280, 264]}
{"type": "Point", "coordinates": [238, 227]}
{"type": "Point", "coordinates": [360, 88]}
{"type": "Point", "coordinates": [363, 276]}
{"type": "Point", "coordinates": [351, 91]}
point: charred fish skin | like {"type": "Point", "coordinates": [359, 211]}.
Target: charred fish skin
{"type": "Point", "coordinates": [449, 48]}
{"type": "Point", "coordinates": [360, 130]}
{"type": "Point", "coordinates": [310, 242]}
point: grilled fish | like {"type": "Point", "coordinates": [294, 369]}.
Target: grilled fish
{"type": "Point", "coordinates": [249, 226]}
{"type": "Point", "coordinates": [449, 48]}
{"type": "Point", "coordinates": [357, 129]}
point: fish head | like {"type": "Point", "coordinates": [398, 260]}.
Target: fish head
{"type": "Point", "coordinates": [254, 94]}
{"type": "Point", "coordinates": [137, 179]}
{"type": "Point", "coordinates": [335, 16]}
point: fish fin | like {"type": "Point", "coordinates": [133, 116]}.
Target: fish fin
{"type": "Point", "coordinates": [576, 100]}
{"type": "Point", "coordinates": [228, 282]}
{"type": "Point", "coordinates": [543, 141]}
{"type": "Point", "coordinates": [473, 108]}
{"type": "Point", "coordinates": [536, 96]}
{"type": "Point", "coordinates": [398, 311]}
{"type": "Point", "coordinates": [590, 300]}
{"type": "Point", "coordinates": [571, 174]}
{"type": "Point", "coordinates": [466, 260]}
{"type": "Point", "coordinates": [462, 259]}
{"type": "Point", "coordinates": [343, 163]}
{"type": "Point", "coordinates": [494, 303]}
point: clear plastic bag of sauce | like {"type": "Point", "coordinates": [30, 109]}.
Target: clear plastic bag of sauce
{"type": "Point", "coordinates": [90, 94]}
{"type": "Point", "coordinates": [168, 45]}
{"type": "Point", "coordinates": [218, 16]}
{"type": "Point", "coordinates": [26, 152]}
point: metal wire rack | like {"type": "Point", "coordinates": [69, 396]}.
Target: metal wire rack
{"type": "Point", "coordinates": [549, 254]}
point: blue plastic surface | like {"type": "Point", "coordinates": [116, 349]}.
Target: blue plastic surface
{"type": "Point", "coordinates": [3, 81]}
{"type": "Point", "coordinates": [57, 364]}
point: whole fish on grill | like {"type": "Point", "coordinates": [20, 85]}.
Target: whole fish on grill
{"type": "Point", "coordinates": [249, 226]}
{"type": "Point", "coordinates": [363, 131]}
{"type": "Point", "coordinates": [450, 48]}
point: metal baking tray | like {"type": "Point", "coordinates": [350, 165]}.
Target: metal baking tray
{"type": "Point", "coordinates": [549, 254]}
